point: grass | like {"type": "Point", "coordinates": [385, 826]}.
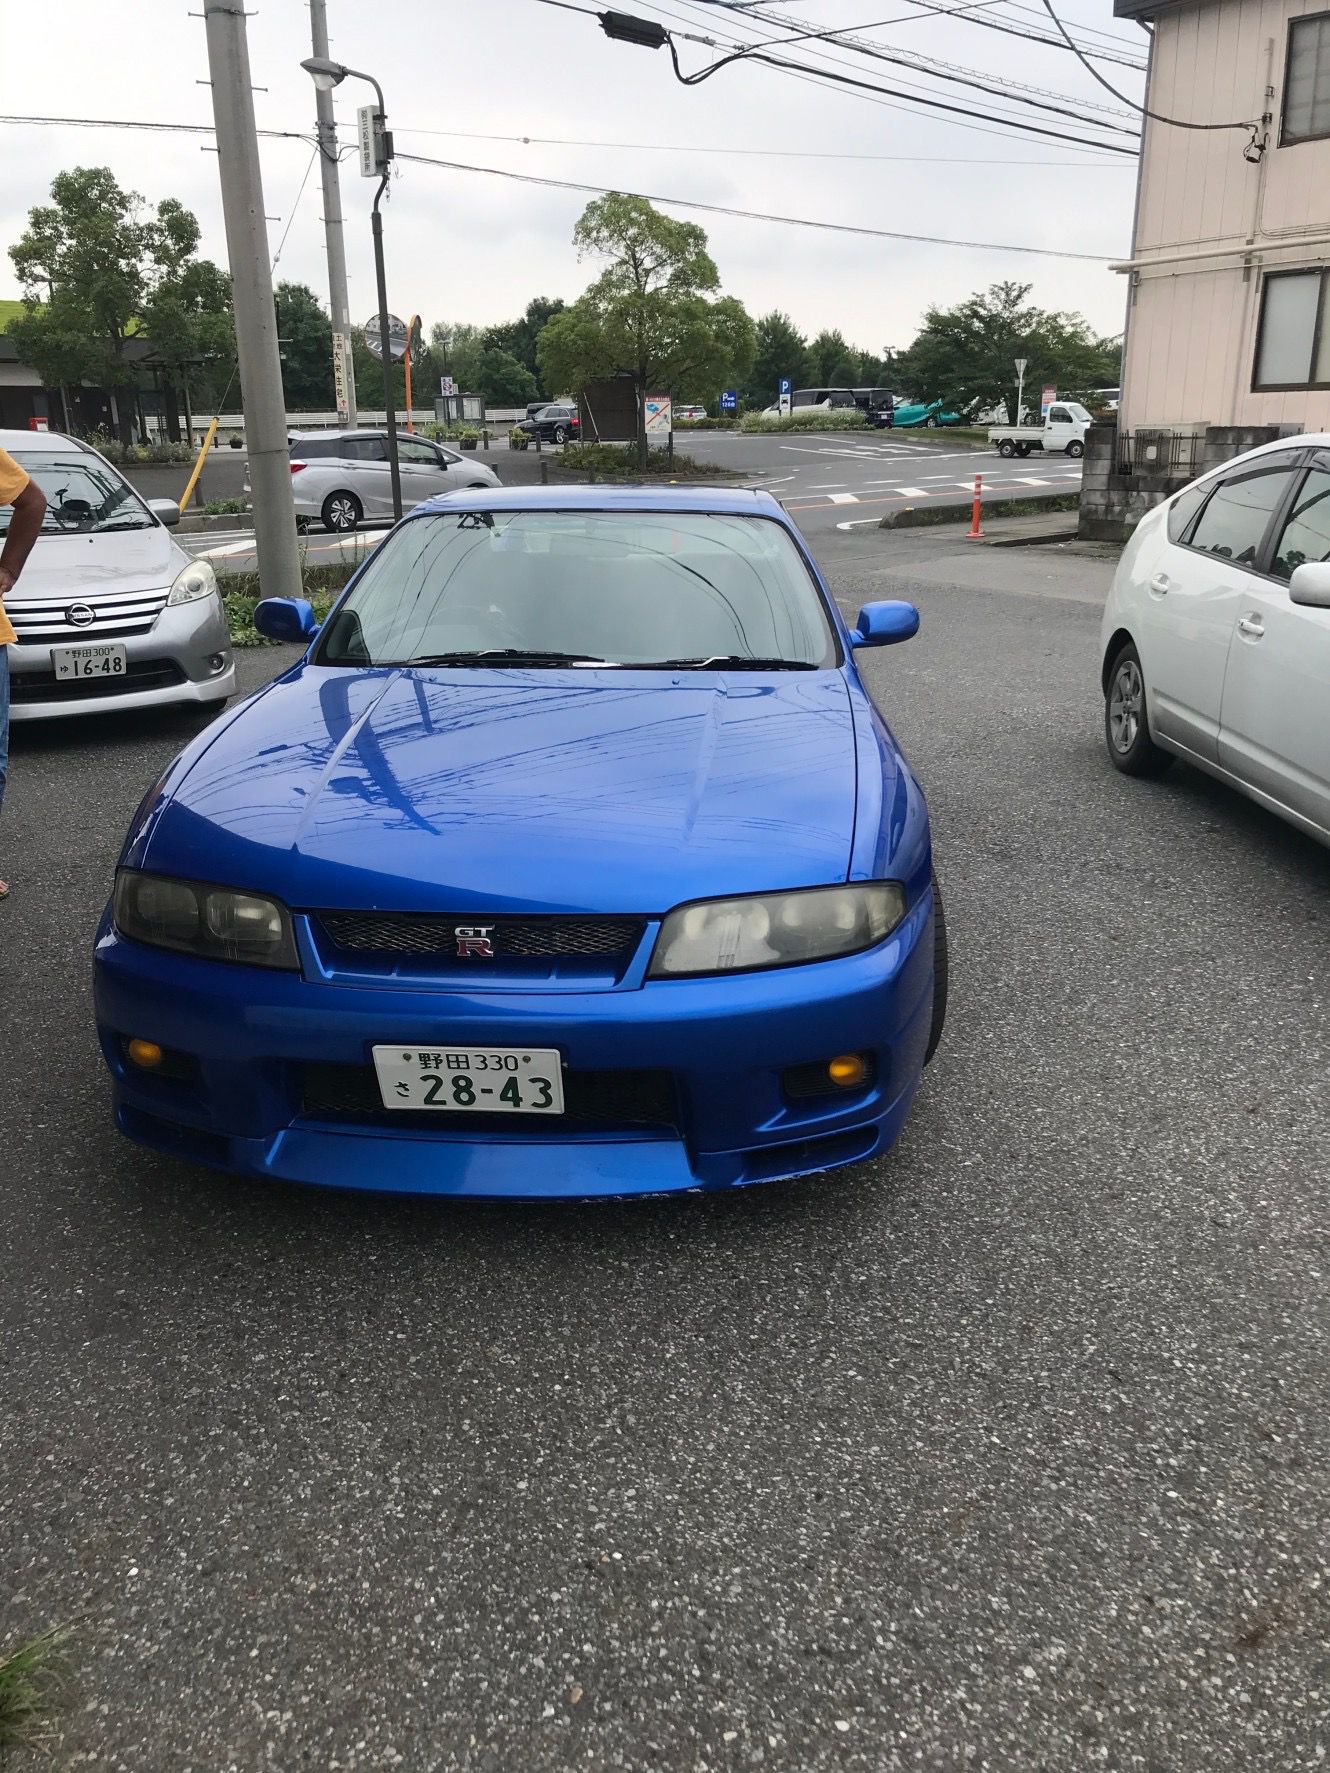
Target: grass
{"type": "Point", "coordinates": [30, 1679]}
{"type": "Point", "coordinates": [240, 592]}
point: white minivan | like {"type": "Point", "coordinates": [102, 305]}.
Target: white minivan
{"type": "Point", "coordinates": [1215, 644]}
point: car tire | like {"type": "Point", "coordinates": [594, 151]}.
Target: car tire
{"type": "Point", "coordinates": [1126, 718]}
{"type": "Point", "coordinates": [1007, 448]}
{"type": "Point", "coordinates": [342, 512]}
{"type": "Point", "coordinates": [931, 422]}
{"type": "Point", "coordinates": [1023, 450]}
{"type": "Point", "coordinates": [560, 434]}
{"type": "Point", "coordinates": [940, 973]}
{"type": "Point", "coordinates": [1075, 448]}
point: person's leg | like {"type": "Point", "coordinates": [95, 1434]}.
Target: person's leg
{"type": "Point", "coordinates": [4, 735]}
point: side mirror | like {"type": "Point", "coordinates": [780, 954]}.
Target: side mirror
{"type": "Point", "coordinates": [883, 624]}
{"type": "Point", "coordinates": [1310, 584]}
{"type": "Point", "coordinates": [286, 618]}
{"type": "Point", "coordinates": [165, 511]}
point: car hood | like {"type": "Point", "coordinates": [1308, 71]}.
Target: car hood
{"type": "Point", "coordinates": [544, 791]}
{"type": "Point", "coordinates": [114, 561]}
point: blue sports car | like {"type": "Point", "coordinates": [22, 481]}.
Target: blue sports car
{"type": "Point", "coordinates": [571, 859]}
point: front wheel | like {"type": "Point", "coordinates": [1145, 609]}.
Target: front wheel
{"type": "Point", "coordinates": [342, 511]}
{"type": "Point", "coordinates": [1007, 448]}
{"type": "Point", "coordinates": [931, 422]}
{"type": "Point", "coordinates": [1075, 448]}
{"type": "Point", "coordinates": [1126, 722]}
{"type": "Point", "coordinates": [940, 973]}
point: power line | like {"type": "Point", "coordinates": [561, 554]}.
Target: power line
{"type": "Point", "coordinates": [1155, 116]}
{"type": "Point", "coordinates": [285, 135]}
{"type": "Point", "coordinates": [753, 215]}
{"type": "Point", "coordinates": [556, 141]}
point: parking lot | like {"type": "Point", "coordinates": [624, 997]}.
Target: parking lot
{"type": "Point", "coordinates": [1005, 1452]}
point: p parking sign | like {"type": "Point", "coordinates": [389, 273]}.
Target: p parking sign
{"type": "Point", "coordinates": [784, 394]}
{"type": "Point", "coordinates": [729, 400]}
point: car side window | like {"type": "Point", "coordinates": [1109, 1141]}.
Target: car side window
{"type": "Point", "coordinates": [411, 449]}
{"type": "Point", "coordinates": [1306, 535]}
{"type": "Point", "coordinates": [1058, 415]}
{"type": "Point", "coordinates": [311, 449]}
{"type": "Point", "coordinates": [1233, 523]}
{"type": "Point", "coordinates": [365, 449]}
{"type": "Point", "coordinates": [1184, 508]}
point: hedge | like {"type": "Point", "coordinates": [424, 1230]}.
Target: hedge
{"type": "Point", "coordinates": [809, 418]}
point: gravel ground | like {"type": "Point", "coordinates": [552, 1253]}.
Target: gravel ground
{"type": "Point", "coordinates": [1007, 1452]}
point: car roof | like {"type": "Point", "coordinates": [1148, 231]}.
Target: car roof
{"type": "Point", "coordinates": [38, 441]}
{"type": "Point", "coordinates": [724, 501]}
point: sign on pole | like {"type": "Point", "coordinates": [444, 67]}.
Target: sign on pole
{"type": "Point", "coordinates": [341, 345]}
{"type": "Point", "coordinates": [729, 400]}
{"type": "Point", "coordinates": [373, 144]}
{"type": "Point", "coordinates": [397, 337]}
{"type": "Point", "coordinates": [447, 387]}
{"type": "Point", "coordinates": [1020, 365]}
{"type": "Point", "coordinates": [785, 394]}
{"type": "Point", "coordinates": [1046, 400]}
{"type": "Point", "coordinates": [659, 411]}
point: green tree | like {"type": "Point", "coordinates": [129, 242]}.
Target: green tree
{"type": "Point", "coordinates": [518, 337]}
{"type": "Point", "coordinates": [652, 313]}
{"type": "Point", "coordinates": [966, 356]}
{"type": "Point", "coordinates": [503, 380]}
{"type": "Point", "coordinates": [832, 362]}
{"type": "Point", "coordinates": [781, 350]}
{"type": "Point", "coordinates": [95, 267]}
{"type": "Point", "coordinates": [304, 332]}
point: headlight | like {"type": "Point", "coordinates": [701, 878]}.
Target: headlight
{"type": "Point", "coordinates": [197, 580]}
{"type": "Point", "coordinates": [776, 929]}
{"type": "Point", "coordinates": [216, 923]}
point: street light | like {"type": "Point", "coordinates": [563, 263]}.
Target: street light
{"type": "Point", "coordinates": [326, 73]}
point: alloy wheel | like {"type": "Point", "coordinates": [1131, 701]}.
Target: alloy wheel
{"type": "Point", "coordinates": [1126, 706]}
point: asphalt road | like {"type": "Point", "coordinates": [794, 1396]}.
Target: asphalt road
{"type": "Point", "coordinates": [828, 480]}
{"type": "Point", "coordinates": [1007, 1452]}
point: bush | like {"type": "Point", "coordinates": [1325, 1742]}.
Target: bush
{"type": "Point", "coordinates": [129, 455]}
{"type": "Point", "coordinates": [723, 424]}
{"type": "Point", "coordinates": [621, 458]}
{"type": "Point", "coordinates": [452, 433]}
{"type": "Point", "coordinates": [222, 507]}
{"type": "Point", "coordinates": [240, 592]}
{"type": "Point", "coordinates": [807, 418]}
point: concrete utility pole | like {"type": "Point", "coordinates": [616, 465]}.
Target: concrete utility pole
{"type": "Point", "coordinates": [338, 301]}
{"type": "Point", "coordinates": [251, 287]}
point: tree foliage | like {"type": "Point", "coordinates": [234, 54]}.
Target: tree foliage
{"type": "Point", "coordinates": [518, 338]}
{"type": "Point", "coordinates": [781, 350]}
{"type": "Point", "coordinates": [965, 356]}
{"type": "Point", "coordinates": [304, 333]}
{"type": "Point", "coordinates": [653, 312]}
{"type": "Point", "coordinates": [97, 269]}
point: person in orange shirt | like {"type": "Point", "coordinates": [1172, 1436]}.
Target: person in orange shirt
{"type": "Point", "coordinates": [29, 508]}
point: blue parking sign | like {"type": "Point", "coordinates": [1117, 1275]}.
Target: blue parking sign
{"type": "Point", "coordinates": [784, 384]}
{"type": "Point", "coordinates": [729, 400]}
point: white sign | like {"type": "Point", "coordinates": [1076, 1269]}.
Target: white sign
{"type": "Point", "coordinates": [447, 387]}
{"type": "Point", "coordinates": [1020, 365]}
{"type": "Point", "coordinates": [659, 410]}
{"type": "Point", "coordinates": [340, 347]}
{"type": "Point", "coordinates": [370, 122]}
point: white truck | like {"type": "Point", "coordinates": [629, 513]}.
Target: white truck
{"type": "Point", "coordinates": [1063, 429]}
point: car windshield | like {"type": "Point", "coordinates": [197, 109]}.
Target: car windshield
{"type": "Point", "coordinates": [558, 588]}
{"type": "Point", "coordinates": [82, 495]}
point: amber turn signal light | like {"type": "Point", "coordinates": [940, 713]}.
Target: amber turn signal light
{"type": "Point", "coordinates": [146, 1054]}
{"type": "Point", "coordinates": [848, 1071]}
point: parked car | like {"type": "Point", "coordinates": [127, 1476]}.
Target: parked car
{"type": "Point", "coordinates": [1215, 644]}
{"type": "Point", "coordinates": [690, 413]}
{"type": "Point", "coordinates": [555, 423]}
{"type": "Point", "coordinates": [598, 875]}
{"type": "Point", "coordinates": [110, 611]}
{"type": "Point", "coordinates": [1063, 429]}
{"type": "Point", "coordinates": [343, 479]}
{"type": "Point", "coordinates": [925, 412]}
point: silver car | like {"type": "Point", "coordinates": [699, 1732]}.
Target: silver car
{"type": "Point", "coordinates": [110, 611]}
{"type": "Point", "coordinates": [342, 479]}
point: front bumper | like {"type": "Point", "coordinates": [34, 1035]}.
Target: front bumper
{"type": "Point", "coordinates": [168, 665]}
{"type": "Point", "coordinates": [250, 1038]}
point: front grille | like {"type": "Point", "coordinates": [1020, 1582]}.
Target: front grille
{"type": "Point", "coordinates": [44, 686]}
{"type": "Point", "coordinates": [434, 934]}
{"type": "Point", "coordinates": [594, 1101]}
{"type": "Point", "coordinates": [42, 621]}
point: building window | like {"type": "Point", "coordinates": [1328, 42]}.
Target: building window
{"type": "Point", "coordinates": [1293, 341]}
{"type": "Point", "coordinates": [1307, 80]}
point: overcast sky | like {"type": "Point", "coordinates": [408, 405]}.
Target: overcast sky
{"type": "Point", "coordinates": [463, 246]}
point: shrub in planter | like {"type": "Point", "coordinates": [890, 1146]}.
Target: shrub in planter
{"type": "Point", "coordinates": [518, 439]}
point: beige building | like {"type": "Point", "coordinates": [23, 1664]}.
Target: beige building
{"type": "Point", "coordinates": [1228, 314]}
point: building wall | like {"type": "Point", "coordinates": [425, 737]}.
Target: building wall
{"type": "Point", "coordinates": [1210, 224]}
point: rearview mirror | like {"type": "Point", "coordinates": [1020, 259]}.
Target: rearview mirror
{"type": "Point", "coordinates": [883, 624]}
{"type": "Point", "coordinates": [1310, 584]}
{"type": "Point", "coordinates": [165, 511]}
{"type": "Point", "coordinates": [286, 618]}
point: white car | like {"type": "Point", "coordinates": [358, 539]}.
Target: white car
{"type": "Point", "coordinates": [1215, 645]}
{"type": "Point", "coordinates": [110, 613]}
{"type": "Point", "coordinates": [342, 478]}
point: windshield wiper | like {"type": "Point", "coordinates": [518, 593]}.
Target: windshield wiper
{"type": "Point", "coordinates": [729, 662]}
{"type": "Point", "coordinates": [507, 655]}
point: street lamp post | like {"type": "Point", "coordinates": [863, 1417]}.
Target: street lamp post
{"type": "Point", "coordinates": [326, 74]}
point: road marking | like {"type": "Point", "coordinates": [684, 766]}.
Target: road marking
{"type": "Point", "coordinates": [1031, 482]}
{"type": "Point", "coordinates": [860, 523]}
{"type": "Point", "coordinates": [842, 499]}
{"type": "Point", "coordinates": [912, 492]}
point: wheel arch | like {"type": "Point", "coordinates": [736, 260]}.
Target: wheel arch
{"type": "Point", "coordinates": [1117, 640]}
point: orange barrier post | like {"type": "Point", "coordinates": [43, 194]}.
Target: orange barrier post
{"type": "Point", "coordinates": [975, 533]}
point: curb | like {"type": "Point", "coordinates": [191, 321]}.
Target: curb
{"type": "Point", "coordinates": [927, 516]}
{"type": "Point", "coordinates": [192, 526]}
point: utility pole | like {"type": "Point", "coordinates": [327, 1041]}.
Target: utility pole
{"type": "Point", "coordinates": [251, 285]}
{"type": "Point", "coordinates": [338, 301]}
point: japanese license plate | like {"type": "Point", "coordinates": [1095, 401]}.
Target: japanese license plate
{"type": "Point", "coordinates": [69, 662]}
{"type": "Point", "coordinates": [470, 1080]}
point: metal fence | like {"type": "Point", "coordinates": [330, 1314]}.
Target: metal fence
{"type": "Point", "coordinates": [1176, 455]}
